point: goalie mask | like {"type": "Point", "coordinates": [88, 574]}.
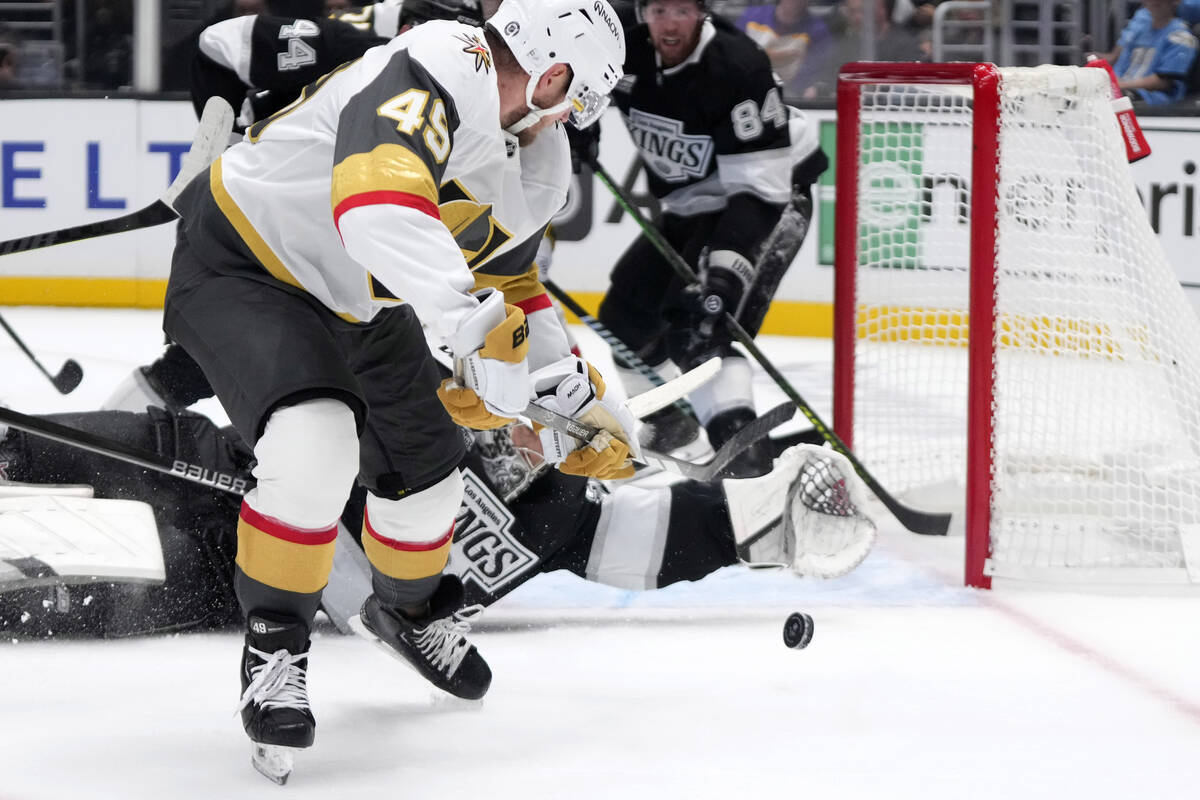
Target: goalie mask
{"type": "Point", "coordinates": [585, 35]}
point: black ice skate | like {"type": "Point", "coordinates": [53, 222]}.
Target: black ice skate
{"type": "Point", "coordinates": [433, 644]}
{"type": "Point", "coordinates": [672, 432]}
{"type": "Point", "coordinates": [274, 705]}
{"type": "Point", "coordinates": [753, 461]}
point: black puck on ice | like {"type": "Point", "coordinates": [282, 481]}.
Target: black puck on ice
{"type": "Point", "coordinates": [798, 630]}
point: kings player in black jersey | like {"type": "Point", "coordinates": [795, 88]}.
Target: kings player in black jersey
{"type": "Point", "coordinates": [724, 156]}
{"type": "Point", "coordinates": [517, 520]}
{"type": "Point", "coordinates": [259, 63]}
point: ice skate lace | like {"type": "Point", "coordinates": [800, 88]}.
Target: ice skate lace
{"type": "Point", "coordinates": [278, 682]}
{"type": "Point", "coordinates": [443, 641]}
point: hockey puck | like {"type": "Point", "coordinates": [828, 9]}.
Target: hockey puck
{"type": "Point", "coordinates": [798, 630]}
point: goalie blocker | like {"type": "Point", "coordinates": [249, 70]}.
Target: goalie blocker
{"type": "Point", "coordinates": [806, 514]}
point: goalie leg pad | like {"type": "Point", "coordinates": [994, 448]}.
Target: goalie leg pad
{"type": "Point", "coordinates": [60, 539]}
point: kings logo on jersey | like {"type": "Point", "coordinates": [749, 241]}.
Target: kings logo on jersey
{"type": "Point", "coordinates": [667, 150]}
{"type": "Point", "coordinates": [485, 550]}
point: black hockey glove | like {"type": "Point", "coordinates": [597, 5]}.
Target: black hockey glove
{"type": "Point", "coordinates": [697, 329]}
{"type": "Point", "coordinates": [585, 145]}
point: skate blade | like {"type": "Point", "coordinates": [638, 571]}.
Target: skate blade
{"type": "Point", "coordinates": [273, 761]}
{"type": "Point", "coordinates": [359, 627]}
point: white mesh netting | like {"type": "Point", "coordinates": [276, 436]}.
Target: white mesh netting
{"type": "Point", "coordinates": [1096, 443]}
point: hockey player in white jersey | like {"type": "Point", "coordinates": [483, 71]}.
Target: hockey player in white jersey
{"type": "Point", "coordinates": [303, 261]}
{"type": "Point", "coordinates": [263, 62]}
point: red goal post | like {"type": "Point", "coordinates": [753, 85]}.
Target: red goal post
{"type": "Point", "coordinates": [995, 274]}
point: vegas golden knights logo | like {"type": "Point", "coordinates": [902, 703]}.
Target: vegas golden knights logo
{"type": "Point", "coordinates": [471, 223]}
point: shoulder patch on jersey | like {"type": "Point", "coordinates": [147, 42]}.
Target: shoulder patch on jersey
{"type": "Point", "coordinates": [670, 153]}
{"type": "Point", "coordinates": [485, 551]}
{"type": "Point", "coordinates": [476, 47]}
{"type": "Point", "coordinates": [1182, 37]}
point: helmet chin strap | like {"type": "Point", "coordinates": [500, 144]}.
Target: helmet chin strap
{"type": "Point", "coordinates": [536, 113]}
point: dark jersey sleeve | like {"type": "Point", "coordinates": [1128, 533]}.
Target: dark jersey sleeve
{"type": "Point", "coordinates": [270, 59]}
{"type": "Point", "coordinates": [288, 54]}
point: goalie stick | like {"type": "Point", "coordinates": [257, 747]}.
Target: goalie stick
{"type": "Point", "coordinates": [912, 519]}
{"type": "Point", "coordinates": [211, 478]}
{"type": "Point", "coordinates": [212, 136]}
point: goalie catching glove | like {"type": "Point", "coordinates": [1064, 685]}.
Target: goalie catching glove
{"type": "Point", "coordinates": [572, 387]}
{"type": "Point", "coordinates": [489, 349]}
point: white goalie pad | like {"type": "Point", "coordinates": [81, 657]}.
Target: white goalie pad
{"type": "Point", "coordinates": [60, 539]}
{"type": "Point", "coordinates": [806, 514]}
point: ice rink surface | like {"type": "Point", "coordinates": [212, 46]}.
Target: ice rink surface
{"type": "Point", "coordinates": [913, 686]}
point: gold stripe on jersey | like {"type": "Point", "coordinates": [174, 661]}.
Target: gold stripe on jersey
{"type": "Point", "coordinates": [258, 246]}
{"type": "Point", "coordinates": [515, 288]}
{"type": "Point", "coordinates": [387, 168]}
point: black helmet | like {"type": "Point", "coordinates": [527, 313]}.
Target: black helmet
{"type": "Point", "coordinates": [414, 12]}
{"type": "Point", "coordinates": [296, 9]}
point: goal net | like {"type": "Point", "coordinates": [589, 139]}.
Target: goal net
{"type": "Point", "coordinates": [1007, 324]}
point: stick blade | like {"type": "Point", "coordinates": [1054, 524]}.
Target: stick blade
{"type": "Point", "coordinates": [659, 397]}
{"type": "Point", "coordinates": [69, 377]}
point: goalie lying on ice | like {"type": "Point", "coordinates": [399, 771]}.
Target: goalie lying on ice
{"type": "Point", "coordinates": [807, 515]}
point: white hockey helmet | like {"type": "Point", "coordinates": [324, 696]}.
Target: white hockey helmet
{"type": "Point", "coordinates": [584, 34]}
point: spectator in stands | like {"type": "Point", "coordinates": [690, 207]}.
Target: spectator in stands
{"type": "Point", "coordinates": [8, 60]}
{"type": "Point", "coordinates": [1154, 54]}
{"type": "Point", "coordinates": [892, 42]}
{"type": "Point", "coordinates": [797, 42]}
{"type": "Point", "coordinates": [108, 47]}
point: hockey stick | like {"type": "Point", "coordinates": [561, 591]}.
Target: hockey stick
{"type": "Point", "coordinates": [912, 519]}
{"type": "Point", "coordinates": [225, 482]}
{"type": "Point", "coordinates": [212, 136]}
{"type": "Point", "coordinates": [585, 433]}
{"type": "Point", "coordinates": [619, 348]}
{"type": "Point", "coordinates": [67, 378]}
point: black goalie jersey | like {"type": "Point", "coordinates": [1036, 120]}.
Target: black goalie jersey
{"type": "Point", "coordinates": [713, 126]}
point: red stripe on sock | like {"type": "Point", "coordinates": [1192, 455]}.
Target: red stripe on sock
{"type": "Point", "coordinates": [281, 530]}
{"type": "Point", "coordinates": [407, 547]}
